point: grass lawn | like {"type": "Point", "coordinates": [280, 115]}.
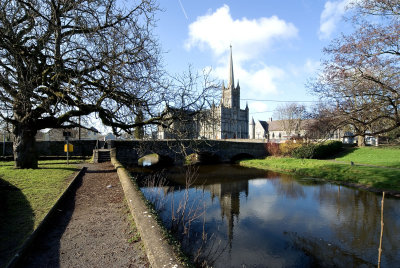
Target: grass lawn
{"type": "Point", "coordinates": [380, 178]}
{"type": "Point", "coordinates": [26, 195]}
{"type": "Point", "coordinates": [377, 156]}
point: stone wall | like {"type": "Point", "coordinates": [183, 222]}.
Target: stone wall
{"type": "Point", "coordinates": [9, 148]}
{"type": "Point", "coordinates": [56, 148]}
{"type": "Point", "coordinates": [130, 151]}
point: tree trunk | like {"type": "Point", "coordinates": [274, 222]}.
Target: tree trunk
{"type": "Point", "coordinates": [25, 154]}
{"type": "Point", "coordinates": [361, 141]}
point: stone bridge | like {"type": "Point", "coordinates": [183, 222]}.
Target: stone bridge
{"type": "Point", "coordinates": [173, 151]}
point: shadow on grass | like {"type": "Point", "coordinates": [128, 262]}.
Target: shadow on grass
{"type": "Point", "coordinates": [45, 249]}
{"type": "Point", "coordinates": [61, 168]}
{"type": "Point", "coordinates": [16, 220]}
{"type": "Point", "coordinates": [346, 150]}
{"type": "Point", "coordinates": [101, 171]}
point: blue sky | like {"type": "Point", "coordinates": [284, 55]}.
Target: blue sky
{"type": "Point", "coordinates": [277, 45]}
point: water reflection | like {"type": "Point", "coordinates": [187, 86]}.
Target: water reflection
{"type": "Point", "coordinates": [268, 219]}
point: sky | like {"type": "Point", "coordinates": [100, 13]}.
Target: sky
{"type": "Point", "coordinates": [277, 45]}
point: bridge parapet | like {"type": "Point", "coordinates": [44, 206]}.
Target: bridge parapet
{"type": "Point", "coordinates": [131, 151]}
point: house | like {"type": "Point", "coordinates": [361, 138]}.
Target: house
{"type": "Point", "coordinates": [282, 130]}
{"type": "Point", "coordinates": [56, 134]}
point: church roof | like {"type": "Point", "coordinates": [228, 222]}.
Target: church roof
{"type": "Point", "coordinates": [264, 124]}
{"type": "Point", "coordinates": [278, 125]}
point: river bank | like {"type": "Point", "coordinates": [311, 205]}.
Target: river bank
{"type": "Point", "coordinates": [372, 178]}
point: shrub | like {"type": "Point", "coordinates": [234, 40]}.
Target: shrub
{"type": "Point", "coordinates": [328, 149]}
{"type": "Point", "coordinates": [273, 148]}
{"type": "Point", "coordinates": [304, 151]}
{"type": "Point", "coordinates": [318, 151]}
{"type": "Point", "coordinates": [288, 147]}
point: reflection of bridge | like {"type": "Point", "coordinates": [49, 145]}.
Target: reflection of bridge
{"type": "Point", "coordinates": [206, 150]}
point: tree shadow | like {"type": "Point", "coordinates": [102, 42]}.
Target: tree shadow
{"type": "Point", "coordinates": [16, 220]}
{"type": "Point", "coordinates": [61, 168]}
{"type": "Point", "coordinates": [45, 249]}
{"type": "Point", "coordinates": [346, 150]}
{"type": "Point", "coordinates": [101, 171]}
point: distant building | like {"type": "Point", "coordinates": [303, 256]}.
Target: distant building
{"type": "Point", "coordinates": [109, 136]}
{"type": "Point", "coordinates": [182, 124]}
{"type": "Point", "coordinates": [283, 130]}
{"type": "Point", "coordinates": [223, 121]}
{"type": "Point", "coordinates": [258, 130]}
{"type": "Point", "coordinates": [56, 134]}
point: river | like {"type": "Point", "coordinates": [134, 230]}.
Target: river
{"type": "Point", "coordinates": [230, 216]}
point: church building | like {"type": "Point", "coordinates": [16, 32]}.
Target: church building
{"type": "Point", "coordinates": [227, 121]}
{"type": "Point", "coordinates": [223, 121]}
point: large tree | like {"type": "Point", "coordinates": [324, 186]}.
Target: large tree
{"type": "Point", "coordinates": [61, 60]}
{"type": "Point", "coordinates": [360, 79]}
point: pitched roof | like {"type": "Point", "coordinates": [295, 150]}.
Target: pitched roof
{"type": "Point", "coordinates": [264, 124]}
{"type": "Point", "coordinates": [279, 125]}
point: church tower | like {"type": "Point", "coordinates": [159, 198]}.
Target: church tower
{"type": "Point", "coordinates": [230, 94]}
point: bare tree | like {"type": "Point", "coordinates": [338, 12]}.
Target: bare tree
{"type": "Point", "coordinates": [191, 110]}
{"type": "Point", "coordinates": [361, 76]}
{"type": "Point", "coordinates": [61, 60]}
{"type": "Point", "coordinates": [291, 116]}
{"type": "Point", "coordinates": [322, 122]}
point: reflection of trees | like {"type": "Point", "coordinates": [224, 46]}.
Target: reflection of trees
{"type": "Point", "coordinates": [326, 254]}
{"type": "Point", "coordinates": [351, 218]}
{"type": "Point", "coordinates": [356, 222]}
{"type": "Point", "coordinates": [288, 187]}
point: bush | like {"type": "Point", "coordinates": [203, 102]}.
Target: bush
{"type": "Point", "coordinates": [288, 147]}
{"type": "Point", "coordinates": [328, 149]}
{"type": "Point", "coordinates": [273, 149]}
{"type": "Point", "coordinates": [305, 151]}
{"type": "Point", "coordinates": [318, 151]}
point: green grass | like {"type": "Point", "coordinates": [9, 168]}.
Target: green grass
{"type": "Point", "coordinates": [389, 157]}
{"type": "Point", "coordinates": [26, 196]}
{"type": "Point", "coordinates": [380, 178]}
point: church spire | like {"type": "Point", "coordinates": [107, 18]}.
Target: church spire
{"type": "Point", "coordinates": [231, 78]}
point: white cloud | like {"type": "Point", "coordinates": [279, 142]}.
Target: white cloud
{"type": "Point", "coordinates": [258, 107]}
{"type": "Point", "coordinates": [310, 67]}
{"type": "Point", "coordinates": [259, 81]}
{"type": "Point", "coordinates": [249, 37]}
{"type": "Point", "coordinates": [331, 16]}
{"type": "Point", "coordinates": [258, 182]}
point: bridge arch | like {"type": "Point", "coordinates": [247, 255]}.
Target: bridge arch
{"type": "Point", "coordinates": [208, 158]}
{"type": "Point", "coordinates": [241, 156]}
{"type": "Point", "coordinates": [155, 159]}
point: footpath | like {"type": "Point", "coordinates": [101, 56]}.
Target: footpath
{"type": "Point", "coordinates": [91, 228]}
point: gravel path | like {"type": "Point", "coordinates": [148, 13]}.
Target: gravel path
{"type": "Point", "coordinates": [91, 229]}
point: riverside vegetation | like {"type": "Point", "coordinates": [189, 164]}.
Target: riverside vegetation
{"type": "Point", "coordinates": [378, 168]}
